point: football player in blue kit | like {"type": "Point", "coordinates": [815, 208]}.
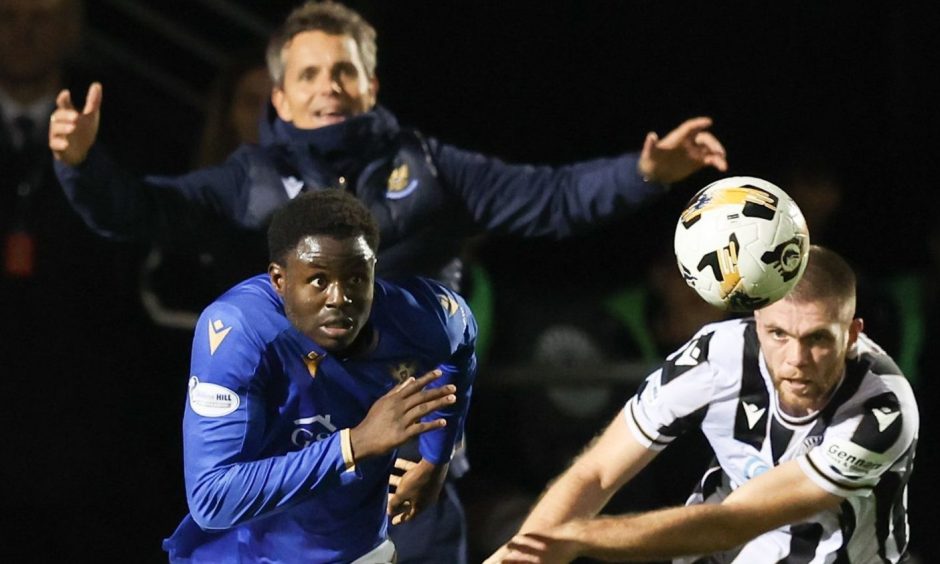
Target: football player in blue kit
{"type": "Point", "coordinates": [813, 427]}
{"type": "Point", "coordinates": [304, 382]}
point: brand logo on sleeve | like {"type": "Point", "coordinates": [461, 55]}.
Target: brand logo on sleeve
{"type": "Point", "coordinates": [211, 400]}
{"type": "Point", "coordinates": [690, 355]}
{"type": "Point", "coordinates": [885, 417]}
{"type": "Point", "coordinates": [292, 186]}
{"type": "Point", "coordinates": [217, 333]}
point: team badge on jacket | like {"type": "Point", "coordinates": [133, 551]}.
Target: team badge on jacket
{"type": "Point", "coordinates": [400, 183]}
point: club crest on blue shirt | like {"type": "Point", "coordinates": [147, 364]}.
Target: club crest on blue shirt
{"type": "Point", "coordinates": [400, 183]}
{"type": "Point", "coordinates": [403, 370]}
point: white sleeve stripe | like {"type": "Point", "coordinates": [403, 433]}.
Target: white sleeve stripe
{"type": "Point", "coordinates": [649, 437]}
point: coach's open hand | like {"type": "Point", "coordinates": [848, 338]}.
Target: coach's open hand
{"type": "Point", "coordinates": [681, 152]}
{"type": "Point", "coordinates": [395, 417]}
{"type": "Point", "coordinates": [73, 132]}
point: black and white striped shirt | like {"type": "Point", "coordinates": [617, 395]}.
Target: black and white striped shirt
{"type": "Point", "coordinates": [860, 446]}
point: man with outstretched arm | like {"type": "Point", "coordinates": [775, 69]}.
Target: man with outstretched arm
{"type": "Point", "coordinates": [813, 426]}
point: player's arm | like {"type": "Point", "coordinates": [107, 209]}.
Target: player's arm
{"type": "Point", "coordinates": [228, 484]}
{"type": "Point", "coordinates": [454, 334]}
{"type": "Point", "coordinates": [781, 496]}
{"type": "Point", "coordinates": [421, 482]}
{"type": "Point", "coordinates": [611, 460]}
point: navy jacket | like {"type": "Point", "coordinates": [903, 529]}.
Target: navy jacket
{"type": "Point", "coordinates": [427, 196]}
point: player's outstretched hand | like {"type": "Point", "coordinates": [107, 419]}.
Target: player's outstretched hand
{"type": "Point", "coordinates": [395, 417]}
{"type": "Point", "coordinates": [681, 152]}
{"type": "Point", "coordinates": [72, 133]}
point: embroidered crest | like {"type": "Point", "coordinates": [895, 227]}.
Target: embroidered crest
{"type": "Point", "coordinates": [400, 183]}
{"type": "Point", "coordinates": [403, 370]}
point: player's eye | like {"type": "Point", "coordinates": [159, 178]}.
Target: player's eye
{"type": "Point", "coordinates": [819, 339]}
{"type": "Point", "coordinates": [777, 334]}
{"type": "Point", "coordinates": [345, 71]}
{"type": "Point", "coordinates": [318, 282]}
{"type": "Point", "coordinates": [308, 73]}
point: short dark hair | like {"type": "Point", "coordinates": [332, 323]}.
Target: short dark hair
{"type": "Point", "coordinates": [329, 17]}
{"type": "Point", "coordinates": [333, 212]}
{"type": "Point", "coordinates": [828, 277]}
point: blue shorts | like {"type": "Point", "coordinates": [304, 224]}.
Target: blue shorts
{"type": "Point", "coordinates": [438, 534]}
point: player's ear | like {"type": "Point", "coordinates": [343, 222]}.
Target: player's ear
{"type": "Point", "coordinates": [855, 327]}
{"type": "Point", "coordinates": [276, 275]}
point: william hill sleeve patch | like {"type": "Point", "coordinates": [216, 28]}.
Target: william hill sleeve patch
{"type": "Point", "coordinates": [211, 400]}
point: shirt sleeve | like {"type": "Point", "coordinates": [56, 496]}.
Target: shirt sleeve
{"type": "Point", "coordinates": [534, 201]}
{"type": "Point", "coordinates": [229, 479]}
{"type": "Point", "coordinates": [166, 209]}
{"type": "Point", "coordinates": [460, 369]}
{"type": "Point", "coordinates": [856, 452]}
{"type": "Point", "coordinates": [674, 398]}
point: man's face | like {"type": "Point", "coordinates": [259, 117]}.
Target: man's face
{"type": "Point", "coordinates": [804, 345]}
{"type": "Point", "coordinates": [327, 286]}
{"type": "Point", "coordinates": [34, 38]}
{"type": "Point", "coordinates": [325, 81]}
{"type": "Point", "coordinates": [251, 94]}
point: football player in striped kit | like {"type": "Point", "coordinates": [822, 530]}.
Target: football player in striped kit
{"type": "Point", "coordinates": [813, 427]}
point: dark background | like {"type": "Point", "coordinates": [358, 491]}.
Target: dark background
{"type": "Point", "coordinates": [542, 82]}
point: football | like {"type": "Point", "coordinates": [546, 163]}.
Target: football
{"type": "Point", "coordinates": [741, 243]}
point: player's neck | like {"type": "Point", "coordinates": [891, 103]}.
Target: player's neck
{"type": "Point", "coordinates": [365, 343]}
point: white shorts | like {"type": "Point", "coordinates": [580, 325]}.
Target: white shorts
{"type": "Point", "coordinates": [382, 554]}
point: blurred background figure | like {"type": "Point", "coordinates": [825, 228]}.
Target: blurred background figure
{"type": "Point", "coordinates": [177, 280]}
{"type": "Point", "coordinates": [888, 298]}
{"type": "Point", "coordinates": [67, 296]}
{"type": "Point", "coordinates": [235, 106]}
